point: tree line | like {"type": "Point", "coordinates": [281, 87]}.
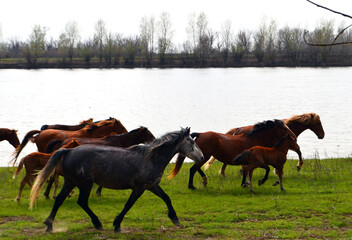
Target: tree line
{"type": "Point", "coordinates": [153, 46]}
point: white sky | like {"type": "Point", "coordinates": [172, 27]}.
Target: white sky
{"type": "Point", "coordinates": [17, 18]}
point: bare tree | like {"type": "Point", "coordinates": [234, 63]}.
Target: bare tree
{"type": "Point", "coordinates": [242, 45]}
{"type": "Point", "coordinates": [165, 34]}
{"type": "Point", "coordinates": [86, 50]}
{"type": "Point", "coordinates": [147, 35]}
{"type": "Point", "coordinates": [226, 39]}
{"type": "Point", "coordinates": [100, 33]}
{"type": "Point", "coordinates": [68, 40]}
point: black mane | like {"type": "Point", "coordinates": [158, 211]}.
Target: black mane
{"type": "Point", "coordinates": [265, 125]}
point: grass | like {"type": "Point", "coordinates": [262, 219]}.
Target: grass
{"type": "Point", "coordinates": [316, 204]}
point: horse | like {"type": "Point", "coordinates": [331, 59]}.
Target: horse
{"type": "Point", "coordinates": [34, 162]}
{"type": "Point", "coordinates": [136, 136]}
{"type": "Point", "coordinates": [226, 147]}
{"type": "Point", "coordinates": [9, 135]}
{"type": "Point", "coordinates": [68, 127]}
{"type": "Point", "coordinates": [259, 156]}
{"type": "Point", "coordinates": [42, 138]}
{"type": "Point", "coordinates": [139, 168]}
{"type": "Point", "coordinates": [297, 124]}
{"type": "Point", "coordinates": [133, 137]}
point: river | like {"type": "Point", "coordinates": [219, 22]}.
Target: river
{"type": "Point", "coordinates": [166, 99]}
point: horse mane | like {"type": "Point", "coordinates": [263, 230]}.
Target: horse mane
{"type": "Point", "coordinates": [94, 125]}
{"type": "Point", "coordinates": [88, 121]}
{"type": "Point", "coordinates": [258, 127]}
{"type": "Point", "coordinates": [154, 148]}
{"type": "Point", "coordinates": [305, 119]}
{"type": "Point", "coordinates": [281, 141]}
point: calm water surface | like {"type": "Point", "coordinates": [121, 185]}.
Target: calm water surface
{"type": "Point", "coordinates": [165, 100]}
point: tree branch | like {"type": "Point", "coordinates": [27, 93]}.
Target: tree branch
{"type": "Point", "coordinates": [343, 14]}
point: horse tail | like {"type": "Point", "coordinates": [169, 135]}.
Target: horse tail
{"type": "Point", "coordinates": [19, 168]}
{"type": "Point", "coordinates": [44, 127]}
{"type": "Point", "coordinates": [194, 135]}
{"type": "Point", "coordinates": [242, 159]}
{"type": "Point", "coordinates": [208, 163]}
{"type": "Point", "coordinates": [44, 174]}
{"type": "Point", "coordinates": [177, 166]}
{"type": "Point", "coordinates": [24, 142]}
{"type": "Point", "coordinates": [52, 144]}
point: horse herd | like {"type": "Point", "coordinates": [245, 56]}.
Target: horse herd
{"type": "Point", "coordinates": [105, 153]}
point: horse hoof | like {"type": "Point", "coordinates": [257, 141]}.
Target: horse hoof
{"type": "Point", "coordinates": [276, 183]}
{"type": "Point", "coordinates": [205, 181]}
{"type": "Point", "coordinates": [49, 225]}
{"type": "Point", "coordinates": [176, 222]}
{"type": "Point", "coordinates": [192, 187]}
{"type": "Point", "coordinates": [260, 182]}
{"type": "Point", "coordinates": [100, 228]}
{"type": "Point", "coordinates": [117, 230]}
{"type": "Point", "coordinates": [298, 168]}
{"type": "Point", "coordinates": [244, 185]}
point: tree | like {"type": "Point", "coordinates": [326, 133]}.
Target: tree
{"type": "Point", "coordinates": [242, 45]}
{"type": "Point", "coordinates": [35, 46]}
{"type": "Point", "coordinates": [86, 50]}
{"type": "Point", "coordinates": [100, 33]}
{"type": "Point", "coordinates": [226, 39]}
{"type": "Point", "coordinates": [164, 36]}
{"type": "Point", "coordinates": [68, 40]}
{"type": "Point", "coordinates": [147, 36]}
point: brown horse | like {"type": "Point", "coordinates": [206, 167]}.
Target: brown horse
{"type": "Point", "coordinates": [43, 138]}
{"type": "Point", "coordinates": [134, 137]}
{"type": "Point", "coordinates": [297, 124]}
{"type": "Point", "coordinates": [34, 162]}
{"type": "Point", "coordinates": [68, 127]}
{"type": "Point", "coordinates": [226, 147]}
{"type": "Point", "coordinates": [10, 136]}
{"type": "Point", "coordinates": [259, 156]}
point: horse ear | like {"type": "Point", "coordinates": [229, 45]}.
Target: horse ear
{"type": "Point", "coordinates": [188, 130]}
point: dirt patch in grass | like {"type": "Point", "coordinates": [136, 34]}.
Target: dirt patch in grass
{"type": "Point", "coordinates": [4, 220]}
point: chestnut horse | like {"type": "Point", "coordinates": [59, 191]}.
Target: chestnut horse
{"type": "Point", "coordinates": [68, 127]}
{"type": "Point", "coordinates": [33, 163]}
{"type": "Point", "coordinates": [10, 136]}
{"type": "Point", "coordinates": [259, 156]}
{"type": "Point", "coordinates": [226, 147]}
{"type": "Point", "coordinates": [136, 136]}
{"type": "Point", "coordinates": [297, 124]}
{"type": "Point", "coordinates": [43, 138]}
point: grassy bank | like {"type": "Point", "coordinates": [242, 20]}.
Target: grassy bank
{"type": "Point", "coordinates": [316, 204]}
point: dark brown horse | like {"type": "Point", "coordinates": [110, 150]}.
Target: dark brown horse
{"type": "Point", "coordinates": [35, 162]}
{"type": "Point", "coordinates": [226, 147]}
{"type": "Point", "coordinates": [9, 135]}
{"type": "Point", "coordinates": [136, 136]}
{"type": "Point", "coordinates": [297, 124]}
{"type": "Point", "coordinates": [139, 168]}
{"type": "Point", "coordinates": [68, 127]}
{"type": "Point", "coordinates": [95, 130]}
{"type": "Point", "coordinates": [259, 156]}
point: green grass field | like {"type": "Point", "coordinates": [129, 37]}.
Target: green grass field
{"type": "Point", "coordinates": [316, 204]}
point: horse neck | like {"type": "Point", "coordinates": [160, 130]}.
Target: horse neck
{"type": "Point", "coordinates": [100, 131]}
{"type": "Point", "coordinates": [8, 136]}
{"type": "Point", "coordinates": [161, 161]}
{"type": "Point", "coordinates": [284, 146]}
{"type": "Point", "coordinates": [297, 128]}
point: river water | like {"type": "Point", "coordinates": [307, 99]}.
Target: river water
{"type": "Point", "coordinates": [166, 99]}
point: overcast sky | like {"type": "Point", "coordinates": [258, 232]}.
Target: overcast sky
{"type": "Point", "coordinates": [17, 18]}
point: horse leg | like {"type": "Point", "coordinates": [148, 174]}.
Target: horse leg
{"type": "Point", "coordinates": [56, 180]}
{"type": "Point", "coordinates": [267, 171]}
{"type": "Point", "coordinates": [222, 170]}
{"type": "Point", "coordinates": [249, 179]}
{"type": "Point", "coordinates": [136, 193]}
{"type": "Point", "coordinates": [204, 177]}
{"type": "Point", "coordinates": [279, 173]}
{"type": "Point", "coordinates": [98, 192]}
{"type": "Point", "coordinates": [157, 190]}
{"type": "Point", "coordinates": [84, 192]}
{"type": "Point", "coordinates": [192, 171]}
{"type": "Point", "coordinates": [244, 172]}
{"type": "Point", "coordinates": [25, 180]}
{"type": "Point", "coordinates": [66, 189]}
{"type": "Point", "coordinates": [50, 183]}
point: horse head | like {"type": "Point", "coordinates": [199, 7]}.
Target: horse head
{"type": "Point", "coordinates": [13, 139]}
{"type": "Point", "coordinates": [316, 126]}
{"type": "Point", "coordinates": [189, 148]}
{"type": "Point", "coordinates": [118, 127]}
